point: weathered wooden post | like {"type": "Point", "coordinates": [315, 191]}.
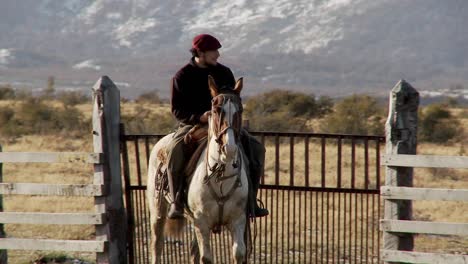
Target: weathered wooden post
{"type": "Point", "coordinates": [106, 137]}
{"type": "Point", "coordinates": [401, 134]}
{"type": "Point", "coordinates": [3, 253]}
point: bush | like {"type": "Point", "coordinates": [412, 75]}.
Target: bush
{"type": "Point", "coordinates": [6, 92]}
{"type": "Point", "coordinates": [23, 95]}
{"type": "Point", "coordinates": [49, 91]}
{"type": "Point", "coordinates": [437, 125]}
{"type": "Point", "coordinates": [73, 98]}
{"type": "Point", "coordinates": [284, 110]}
{"type": "Point", "coordinates": [9, 124]}
{"type": "Point", "coordinates": [276, 121]}
{"type": "Point", "coordinates": [36, 117]}
{"type": "Point", "coordinates": [146, 122]}
{"type": "Point", "coordinates": [151, 97]}
{"type": "Point", "coordinates": [356, 114]}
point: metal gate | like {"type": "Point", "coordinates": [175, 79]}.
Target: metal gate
{"type": "Point", "coordinates": [322, 191]}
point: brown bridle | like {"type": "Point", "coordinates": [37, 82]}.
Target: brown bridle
{"type": "Point", "coordinates": [223, 122]}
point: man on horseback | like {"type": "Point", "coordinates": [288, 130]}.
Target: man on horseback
{"type": "Point", "coordinates": [191, 104]}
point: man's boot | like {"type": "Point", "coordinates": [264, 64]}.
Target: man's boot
{"type": "Point", "coordinates": [255, 180]}
{"type": "Point", "coordinates": [176, 211]}
{"type": "Point", "coordinates": [255, 152]}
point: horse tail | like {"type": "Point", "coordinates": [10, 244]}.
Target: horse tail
{"type": "Point", "coordinates": [174, 227]}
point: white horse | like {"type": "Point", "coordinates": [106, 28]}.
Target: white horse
{"type": "Point", "coordinates": [217, 193]}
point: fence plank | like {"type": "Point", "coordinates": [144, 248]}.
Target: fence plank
{"type": "Point", "coordinates": [407, 193]}
{"type": "Point", "coordinates": [425, 161]}
{"type": "Point", "coordinates": [52, 189]}
{"type": "Point", "coordinates": [422, 227]}
{"type": "Point", "coordinates": [419, 257]}
{"type": "Point", "coordinates": [50, 244]}
{"type": "Point", "coordinates": [51, 157]}
{"type": "Point", "coordinates": [52, 218]}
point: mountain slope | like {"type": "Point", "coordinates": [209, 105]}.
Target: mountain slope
{"type": "Point", "coordinates": [323, 46]}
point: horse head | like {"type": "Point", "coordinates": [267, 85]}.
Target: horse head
{"type": "Point", "coordinates": [226, 118]}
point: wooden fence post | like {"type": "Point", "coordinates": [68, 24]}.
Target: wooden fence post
{"type": "Point", "coordinates": [3, 253]}
{"type": "Point", "coordinates": [401, 134]}
{"type": "Point", "coordinates": [106, 137]}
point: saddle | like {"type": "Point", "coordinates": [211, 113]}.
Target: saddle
{"type": "Point", "coordinates": [195, 141]}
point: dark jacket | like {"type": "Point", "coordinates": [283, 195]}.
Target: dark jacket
{"type": "Point", "coordinates": [190, 95]}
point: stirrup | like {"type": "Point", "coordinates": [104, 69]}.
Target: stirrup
{"type": "Point", "coordinates": [259, 211]}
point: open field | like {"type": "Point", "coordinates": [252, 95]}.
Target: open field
{"type": "Point", "coordinates": [423, 210]}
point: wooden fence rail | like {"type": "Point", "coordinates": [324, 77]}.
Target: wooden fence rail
{"type": "Point", "coordinates": [51, 157]}
{"type": "Point", "coordinates": [109, 216]}
{"type": "Point", "coordinates": [400, 158]}
{"type": "Point", "coordinates": [53, 189]}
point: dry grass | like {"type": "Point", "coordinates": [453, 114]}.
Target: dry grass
{"type": "Point", "coordinates": [65, 173]}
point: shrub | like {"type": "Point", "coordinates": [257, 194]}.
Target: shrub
{"type": "Point", "coordinates": [124, 100]}
{"type": "Point", "coordinates": [437, 125]}
{"type": "Point", "coordinates": [276, 121]}
{"type": "Point", "coordinates": [6, 92]}
{"type": "Point", "coordinates": [356, 114]}
{"type": "Point", "coordinates": [23, 95]}
{"type": "Point", "coordinates": [151, 97]}
{"type": "Point", "coordinates": [73, 98]}
{"type": "Point", "coordinates": [146, 122]}
{"type": "Point", "coordinates": [284, 110]}
{"type": "Point", "coordinates": [9, 124]}
{"type": "Point", "coordinates": [49, 91]}
{"type": "Point", "coordinates": [36, 117]}
{"type": "Point", "coordinates": [6, 114]}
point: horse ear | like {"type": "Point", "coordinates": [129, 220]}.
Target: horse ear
{"type": "Point", "coordinates": [239, 85]}
{"type": "Point", "coordinates": [213, 87]}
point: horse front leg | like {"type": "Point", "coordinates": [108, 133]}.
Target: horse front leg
{"type": "Point", "coordinates": [237, 229]}
{"type": "Point", "coordinates": [158, 212]}
{"type": "Point", "coordinates": [202, 233]}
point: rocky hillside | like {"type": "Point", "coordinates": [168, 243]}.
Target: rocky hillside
{"type": "Point", "coordinates": [335, 47]}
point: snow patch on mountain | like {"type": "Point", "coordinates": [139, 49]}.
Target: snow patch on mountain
{"type": "Point", "coordinates": [298, 26]}
{"type": "Point", "coordinates": [87, 64]}
{"type": "Point", "coordinates": [114, 15]}
{"type": "Point", "coordinates": [125, 32]}
{"type": "Point", "coordinates": [63, 9]}
{"type": "Point", "coordinates": [447, 92]}
{"type": "Point", "coordinates": [6, 56]}
{"type": "Point", "coordinates": [91, 11]}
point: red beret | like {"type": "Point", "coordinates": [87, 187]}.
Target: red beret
{"type": "Point", "coordinates": [205, 42]}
